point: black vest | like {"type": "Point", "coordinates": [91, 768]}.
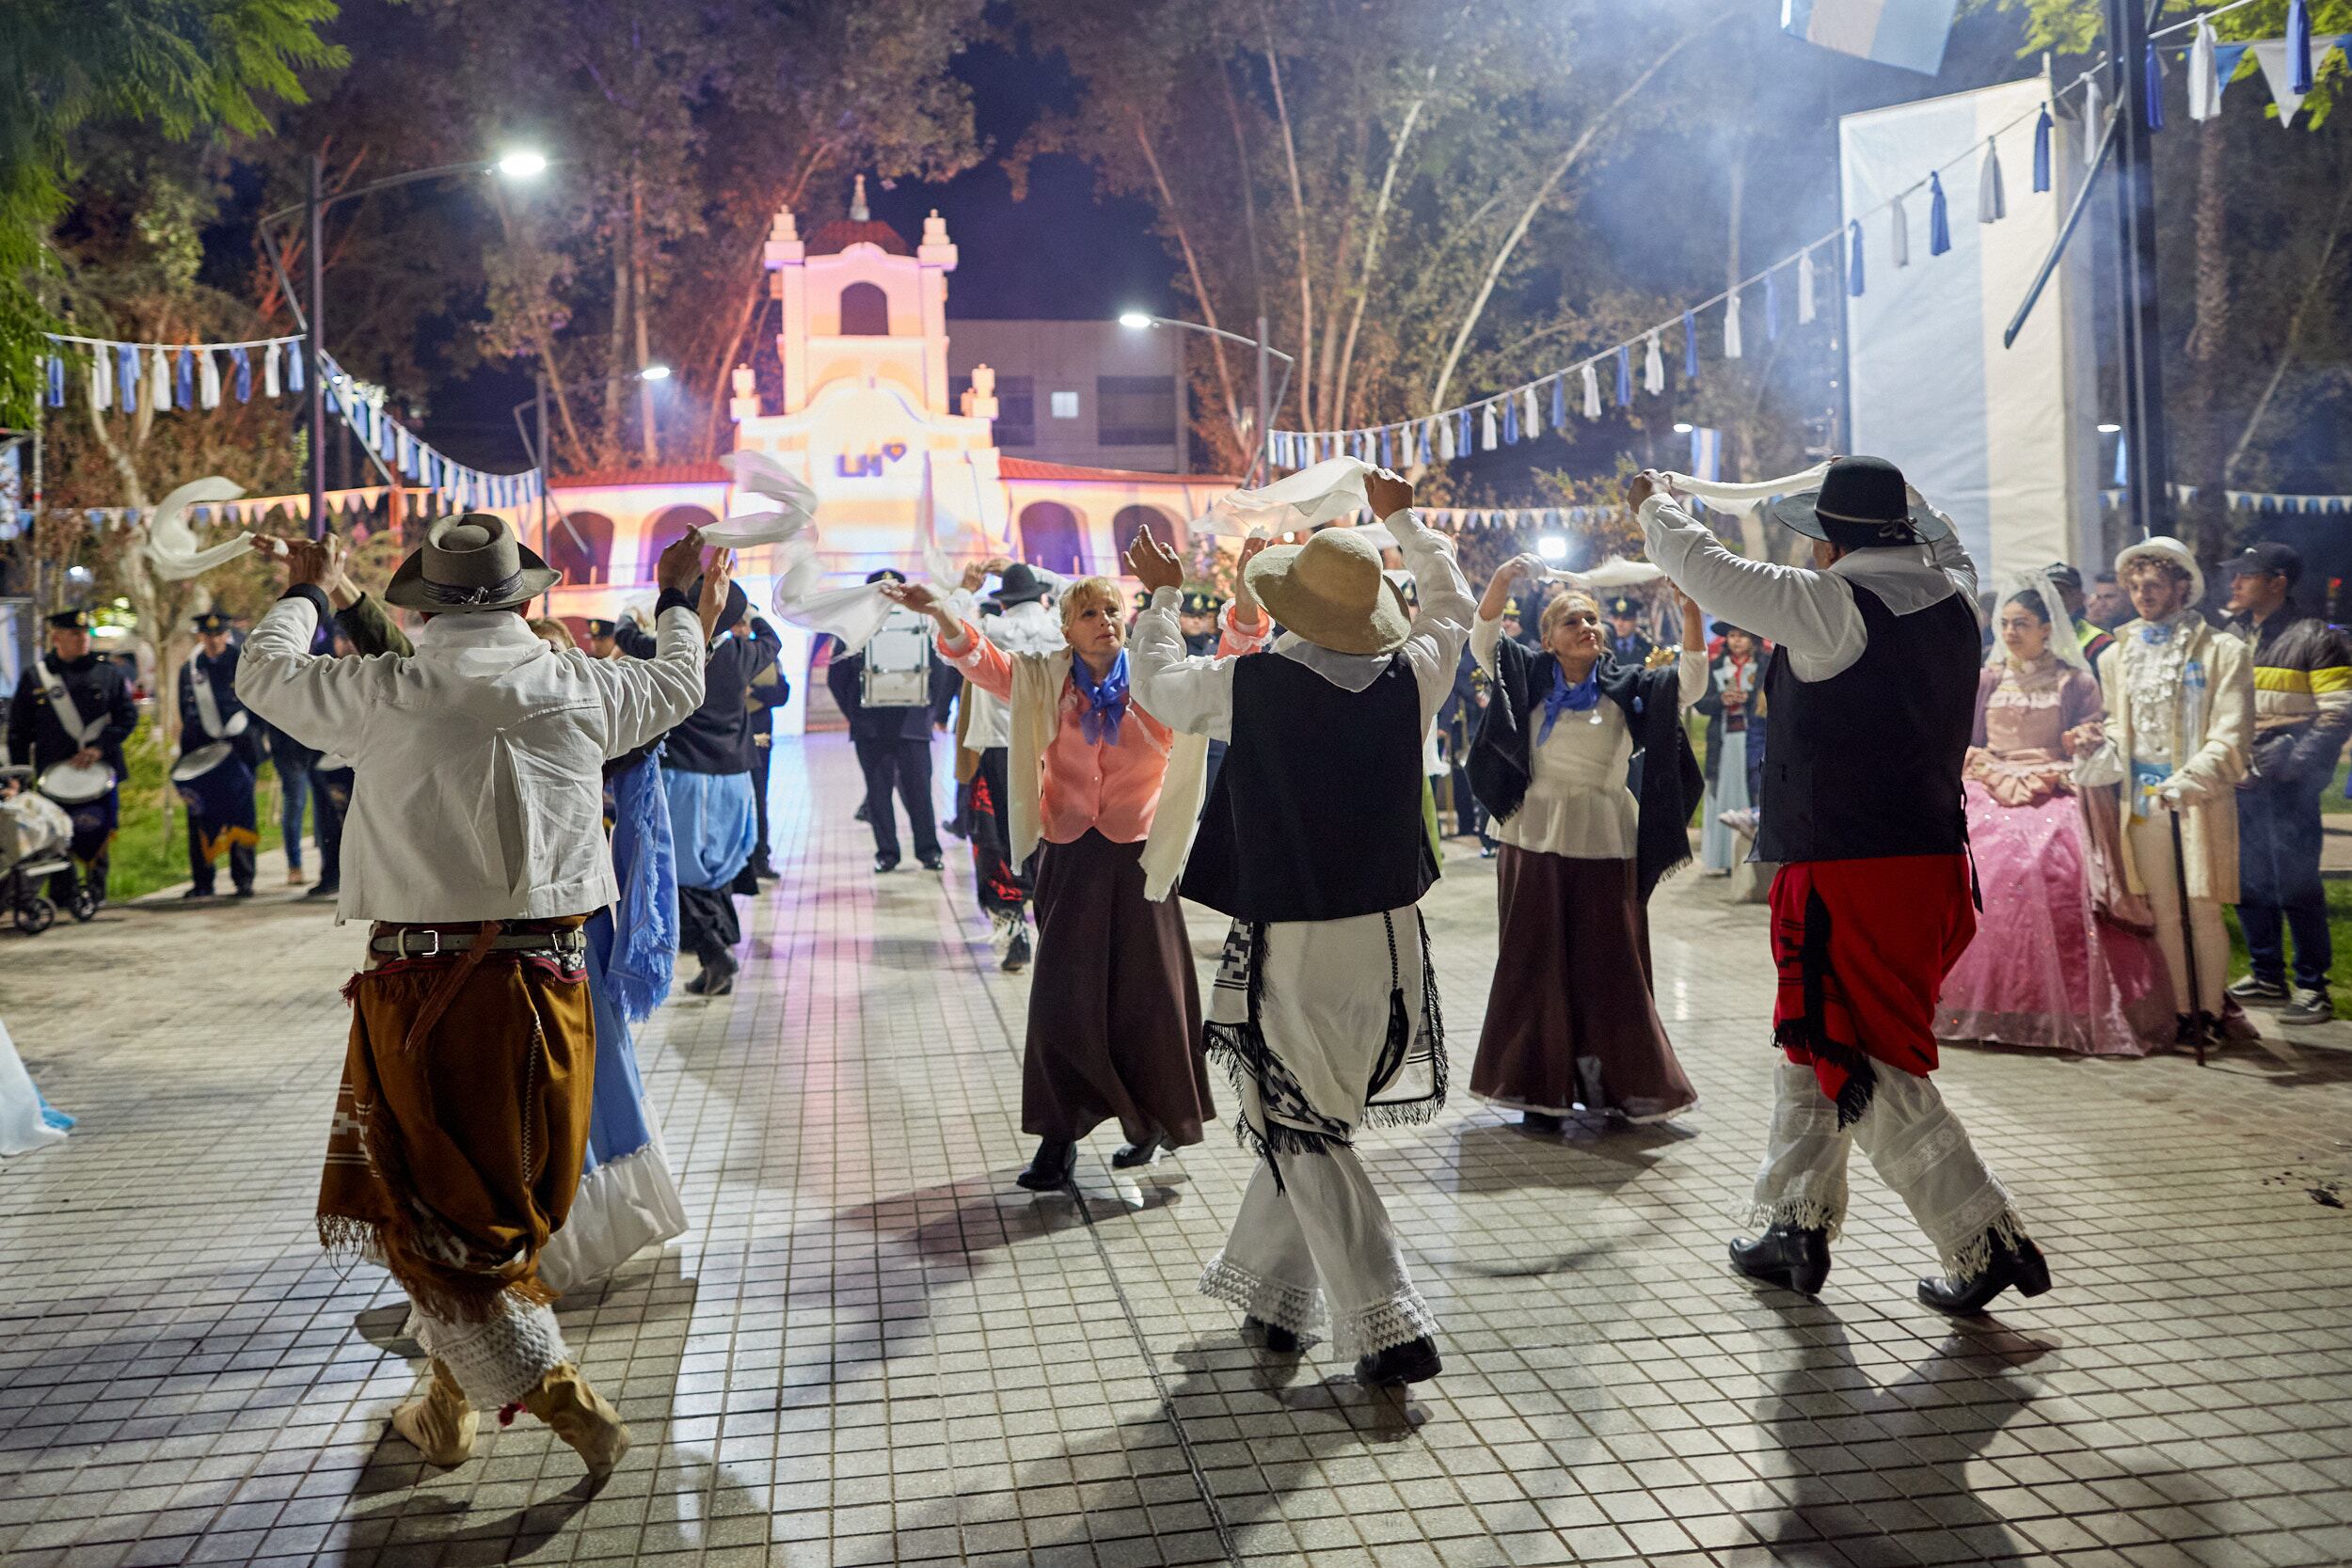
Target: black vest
{"type": "Point", "coordinates": [1866, 765]}
{"type": "Point", "coordinates": [1316, 812]}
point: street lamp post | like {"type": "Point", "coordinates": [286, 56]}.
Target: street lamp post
{"type": "Point", "coordinates": [512, 166]}
{"type": "Point", "coordinates": [535, 447]}
{"type": "Point", "coordinates": [1263, 455]}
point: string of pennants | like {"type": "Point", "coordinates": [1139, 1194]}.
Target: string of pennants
{"type": "Point", "coordinates": [1458, 519]}
{"type": "Point", "coordinates": [197, 376]}
{"type": "Point", "coordinates": [2249, 500]}
{"type": "Point", "coordinates": [1522, 413]}
{"type": "Point", "coordinates": [359, 505]}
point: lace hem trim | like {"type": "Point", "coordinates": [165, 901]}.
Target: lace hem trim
{"type": "Point", "coordinates": [1400, 1319]}
{"type": "Point", "coordinates": [1298, 1310]}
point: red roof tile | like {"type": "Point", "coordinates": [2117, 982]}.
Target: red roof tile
{"type": "Point", "coordinates": [1029, 467]}
{"type": "Point", "coordinates": [841, 233]}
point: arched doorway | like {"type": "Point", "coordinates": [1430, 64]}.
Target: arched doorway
{"type": "Point", "coordinates": [1159, 524]}
{"type": "Point", "coordinates": [580, 545]}
{"type": "Point", "coordinates": [865, 311]}
{"type": "Point", "coordinates": [667, 528]}
{"type": "Point", "coordinates": [1050, 538]}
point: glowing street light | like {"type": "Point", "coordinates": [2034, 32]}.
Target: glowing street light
{"type": "Point", "coordinates": [654, 372]}
{"type": "Point", "coordinates": [523, 164]}
{"type": "Point", "coordinates": [1143, 320]}
{"type": "Point", "coordinates": [2110, 429]}
{"type": "Point", "coordinates": [1135, 321]}
{"type": "Point", "coordinates": [1551, 547]}
{"type": "Point", "coordinates": [1682, 427]}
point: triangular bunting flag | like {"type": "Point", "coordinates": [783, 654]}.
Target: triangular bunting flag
{"type": "Point", "coordinates": [2271, 54]}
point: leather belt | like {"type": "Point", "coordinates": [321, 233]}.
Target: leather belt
{"type": "Point", "coordinates": [569, 947]}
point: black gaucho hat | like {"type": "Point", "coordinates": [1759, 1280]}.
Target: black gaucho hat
{"type": "Point", "coordinates": [211, 624]}
{"type": "Point", "coordinates": [1019, 585]}
{"type": "Point", "coordinates": [1862, 504]}
{"type": "Point", "coordinates": [68, 620]}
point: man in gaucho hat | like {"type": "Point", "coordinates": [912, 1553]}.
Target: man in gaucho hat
{"type": "Point", "coordinates": [475, 851]}
{"type": "Point", "coordinates": [1872, 692]}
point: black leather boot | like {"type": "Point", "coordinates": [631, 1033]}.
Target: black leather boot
{"type": "Point", "coordinates": [1792, 1257]}
{"type": "Point", "coordinates": [1055, 1159]}
{"type": "Point", "coordinates": [1128, 1156]}
{"type": "Point", "coordinates": [2019, 1263]}
{"type": "Point", "coordinates": [1539, 1121]}
{"type": "Point", "coordinates": [1281, 1340]}
{"type": "Point", "coordinates": [1414, 1361]}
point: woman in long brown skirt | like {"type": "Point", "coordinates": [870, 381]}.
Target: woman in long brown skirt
{"type": "Point", "coordinates": [1571, 1025]}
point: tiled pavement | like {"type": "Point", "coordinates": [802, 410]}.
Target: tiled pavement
{"type": "Point", "coordinates": [873, 1348]}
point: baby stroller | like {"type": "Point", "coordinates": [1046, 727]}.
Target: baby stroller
{"type": "Point", "coordinates": [34, 833]}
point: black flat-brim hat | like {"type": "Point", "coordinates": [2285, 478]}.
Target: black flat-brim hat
{"type": "Point", "coordinates": [468, 564]}
{"type": "Point", "coordinates": [1863, 502]}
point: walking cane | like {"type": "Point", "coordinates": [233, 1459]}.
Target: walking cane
{"type": "Point", "coordinates": [2188, 937]}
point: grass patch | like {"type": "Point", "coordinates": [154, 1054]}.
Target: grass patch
{"type": "Point", "coordinates": [150, 847]}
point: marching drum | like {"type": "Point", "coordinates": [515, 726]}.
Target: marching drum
{"type": "Point", "coordinates": [196, 764]}
{"type": "Point", "coordinates": [218, 788]}
{"type": "Point", "coordinates": [69, 785]}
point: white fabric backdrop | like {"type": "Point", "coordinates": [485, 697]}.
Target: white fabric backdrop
{"type": "Point", "coordinates": [1992, 434]}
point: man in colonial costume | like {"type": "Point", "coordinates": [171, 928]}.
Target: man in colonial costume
{"type": "Point", "coordinates": [1324, 1005]}
{"type": "Point", "coordinates": [1093, 773]}
{"type": "Point", "coordinates": [474, 853]}
{"type": "Point", "coordinates": [2180, 723]}
{"type": "Point", "coordinates": [73, 710]}
{"type": "Point", "coordinates": [219, 748]}
{"type": "Point", "coordinates": [1872, 690]}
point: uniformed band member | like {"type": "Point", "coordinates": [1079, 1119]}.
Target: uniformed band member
{"type": "Point", "coordinates": [74, 706]}
{"type": "Point", "coordinates": [221, 820]}
{"type": "Point", "coordinates": [893, 738]}
{"type": "Point", "coordinates": [602, 639]}
{"type": "Point", "coordinates": [1626, 636]}
{"type": "Point", "coordinates": [769, 690]}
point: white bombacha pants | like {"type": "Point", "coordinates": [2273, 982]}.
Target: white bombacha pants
{"type": "Point", "coordinates": [1317, 1245]}
{"type": "Point", "coordinates": [1916, 1145]}
{"type": "Point", "coordinates": [2151, 842]}
{"type": "Point", "coordinates": [497, 1362]}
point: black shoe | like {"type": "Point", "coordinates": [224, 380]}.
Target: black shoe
{"type": "Point", "coordinates": [1539, 1121]}
{"type": "Point", "coordinates": [718, 975]}
{"type": "Point", "coordinates": [883, 865]}
{"type": "Point", "coordinates": [1414, 1361]}
{"type": "Point", "coordinates": [933, 862]}
{"type": "Point", "coordinates": [198, 893]}
{"type": "Point", "coordinates": [1128, 1156]}
{"type": "Point", "coordinates": [1281, 1340]}
{"type": "Point", "coordinates": [323, 889]}
{"type": "Point", "coordinates": [862, 815]}
{"type": "Point", "coordinates": [244, 892]}
{"type": "Point", "coordinates": [1017, 953]}
{"type": "Point", "coordinates": [2019, 1263]}
{"type": "Point", "coordinates": [2258, 987]}
{"type": "Point", "coordinates": [1486, 853]}
{"type": "Point", "coordinates": [763, 870]}
{"type": "Point", "coordinates": [1050, 1171]}
{"type": "Point", "coordinates": [2308, 1007]}
{"type": "Point", "coordinates": [1791, 1257]}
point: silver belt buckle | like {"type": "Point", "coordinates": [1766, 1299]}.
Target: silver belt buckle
{"type": "Point", "coordinates": [433, 952]}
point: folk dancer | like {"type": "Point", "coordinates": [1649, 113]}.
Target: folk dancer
{"type": "Point", "coordinates": [221, 816]}
{"type": "Point", "coordinates": [1572, 1022]}
{"type": "Point", "coordinates": [1326, 1003]}
{"type": "Point", "coordinates": [75, 706]}
{"type": "Point", "coordinates": [1872, 689]}
{"type": "Point", "coordinates": [1023, 625]}
{"type": "Point", "coordinates": [1113, 796]}
{"type": "Point", "coordinates": [2180, 723]}
{"type": "Point", "coordinates": [469, 1079]}
{"type": "Point", "coordinates": [895, 695]}
{"type": "Point", "coordinates": [2302, 712]}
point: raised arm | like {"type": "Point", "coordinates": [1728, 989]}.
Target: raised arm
{"type": "Point", "coordinates": [1188, 692]}
{"type": "Point", "coordinates": [960, 644]}
{"type": "Point", "coordinates": [1810, 613]}
{"type": "Point", "coordinates": [319, 702]}
{"type": "Point", "coordinates": [1447, 609]}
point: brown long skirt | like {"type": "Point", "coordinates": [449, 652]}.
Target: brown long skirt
{"type": "Point", "coordinates": [1570, 1022]}
{"type": "Point", "coordinates": [1114, 1006]}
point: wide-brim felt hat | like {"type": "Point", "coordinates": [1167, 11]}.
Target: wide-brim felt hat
{"type": "Point", "coordinates": [1862, 500]}
{"type": "Point", "coordinates": [468, 564]}
{"type": "Point", "coordinates": [1332, 592]}
{"type": "Point", "coordinates": [1019, 585]}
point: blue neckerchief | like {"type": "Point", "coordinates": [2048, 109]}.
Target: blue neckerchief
{"type": "Point", "coordinates": [1564, 698]}
{"type": "Point", "coordinates": [2156, 633]}
{"type": "Point", "coordinates": [1106, 705]}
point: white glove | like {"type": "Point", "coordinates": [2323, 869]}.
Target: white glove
{"type": "Point", "coordinates": [2181, 791]}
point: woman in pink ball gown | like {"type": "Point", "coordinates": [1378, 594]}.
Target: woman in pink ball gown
{"type": "Point", "coordinates": [2063, 957]}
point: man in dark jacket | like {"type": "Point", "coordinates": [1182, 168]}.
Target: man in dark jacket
{"type": "Point", "coordinates": [769, 690]}
{"type": "Point", "coordinates": [218, 788]}
{"type": "Point", "coordinates": [892, 713]}
{"type": "Point", "coordinates": [2302, 711]}
{"type": "Point", "coordinates": [76, 706]}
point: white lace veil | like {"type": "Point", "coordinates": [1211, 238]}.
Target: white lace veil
{"type": "Point", "coordinates": [2065, 637]}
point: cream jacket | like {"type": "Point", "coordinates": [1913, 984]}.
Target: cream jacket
{"type": "Point", "coordinates": [2215, 761]}
{"type": "Point", "coordinates": [480, 759]}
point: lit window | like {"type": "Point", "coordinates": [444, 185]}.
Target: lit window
{"type": "Point", "coordinates": [1065, 405]}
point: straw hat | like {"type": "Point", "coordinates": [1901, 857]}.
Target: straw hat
{"type": "Point", "coordinates": [468, 564]}
{"type": "Point", "coordinates": [1331, 591]}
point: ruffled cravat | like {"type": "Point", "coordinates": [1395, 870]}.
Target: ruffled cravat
{"type": "Point", "coordinates": [1106, 702]}
{"type": "Point", "coordinates": [1564, 698]}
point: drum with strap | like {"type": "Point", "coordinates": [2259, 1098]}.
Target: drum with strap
{"type": "Point", "coordinates": [217, 786]}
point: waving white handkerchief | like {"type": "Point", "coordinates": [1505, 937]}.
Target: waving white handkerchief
{"type": "Point", "coordinates": [1329, 491]}
{"type": "Point", "coordinates": [172, 551]}
{"type": "Point", "coordinates": [761, 475]}
{"type": "Point", "coordinates": [1614, 572]}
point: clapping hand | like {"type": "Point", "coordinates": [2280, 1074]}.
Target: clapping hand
{"type": "Point", "coordinates": [1153, 563]}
